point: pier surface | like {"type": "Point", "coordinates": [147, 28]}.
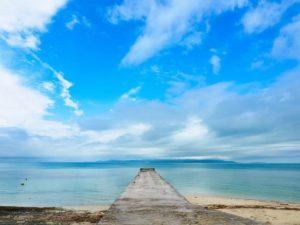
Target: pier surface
{"type": "Point", "coordinates": [150, 200]}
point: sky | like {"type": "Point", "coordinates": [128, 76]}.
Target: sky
{"type": "Point", "coordinates": [150, 79]}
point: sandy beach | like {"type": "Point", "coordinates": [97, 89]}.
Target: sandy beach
{"type": "Point", "coordinates": [269, 212]}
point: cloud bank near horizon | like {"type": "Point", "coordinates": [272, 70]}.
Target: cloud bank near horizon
{"type": "Point", "coordinates": [194, 124]}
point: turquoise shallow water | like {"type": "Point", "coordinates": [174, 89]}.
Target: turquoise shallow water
{"type": "Point", "coordinates": [58, 184]}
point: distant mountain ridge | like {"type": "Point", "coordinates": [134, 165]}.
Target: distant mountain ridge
{"type": "Point", "coordinates": [168, 161]}
{"type": "Point", "coordinates": [32, 159]}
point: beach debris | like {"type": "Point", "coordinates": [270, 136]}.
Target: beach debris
{"type": "Point", "coordinates": [22, 184]}
{"type": "Point", "coordinates": [47, 215]}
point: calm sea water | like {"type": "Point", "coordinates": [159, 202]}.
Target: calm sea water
{"type": "Point", "coordinates": [58, 184]}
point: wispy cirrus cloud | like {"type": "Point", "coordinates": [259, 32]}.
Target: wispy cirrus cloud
{"type": "Point", "coordinates": [65, 94]}
{"type": "Point", "coordinates": [130, 95]}
{"type": "Point", "coordinates": [49, 86]}
{"type": "Point", "coordinates": [72, 23]}
{"type": "Point", "coordinates": [266, 14]}
{"type": "Point", "coordinates": [215, 62]}
{"type": "Point", "coordinates": [64, 84]}
{"type": "Point", "coordinates": [287, 44]}
{"type": "Point", "coordinates": [77, 20]}
{"type": "Point", "coordinates": [166, 23]}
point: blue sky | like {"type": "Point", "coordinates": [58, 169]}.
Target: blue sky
{"type": "Point", "coordinates": [151, 79]}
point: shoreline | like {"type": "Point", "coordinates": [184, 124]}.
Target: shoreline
{"type": "Point", "coordinates": [269, 212]}
{"type": "Point", "coordinates": [265, 211]}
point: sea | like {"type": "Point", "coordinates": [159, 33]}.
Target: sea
{"type": "Point", "coordinates": [100, 183]}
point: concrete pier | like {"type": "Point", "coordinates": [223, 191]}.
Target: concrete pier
{"type": "Point", "coordinates": [150, 200]}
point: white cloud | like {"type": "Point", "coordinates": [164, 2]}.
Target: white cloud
{"type": "Point", "coordinates": [166, 23]}
{"type": "Point", "coordinates": [180, 82]}
{"type": "Point", "coordinates": [21, 40]}
{"type": "Point", "coordinates": [192, 39]}
{"type": "Point", "coordinates": [65, 86]}
{"type": "Point", "coordinates": [264, 15]}
{"type": "Point", "coordinates": [25, 108]}
{"type": "Point", "coordinates": [215, 61]}
{"type": "Point", "coordinates": [194, 131]}
{"type": "Point", "coordinates": [65, 94]}
{"type": "Point", "coordinates": [72, 23]}
{"type": "Point", "coordinates": [14, 97]}
{"type": "Point", "coordinates": [21, 21]}
{"type": "Point", "coordinates": [49, 86]}
{"type": "Point", "coordinates": [75, 20]}
{"type": "Point", "coordinates": [115, 133]}
{"type": "Point", "coordinates": [33, 128]}
{"type": "Point", "coordinates": [130, 95]}
{"type": "Point", "coordinates": [287, 44]}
